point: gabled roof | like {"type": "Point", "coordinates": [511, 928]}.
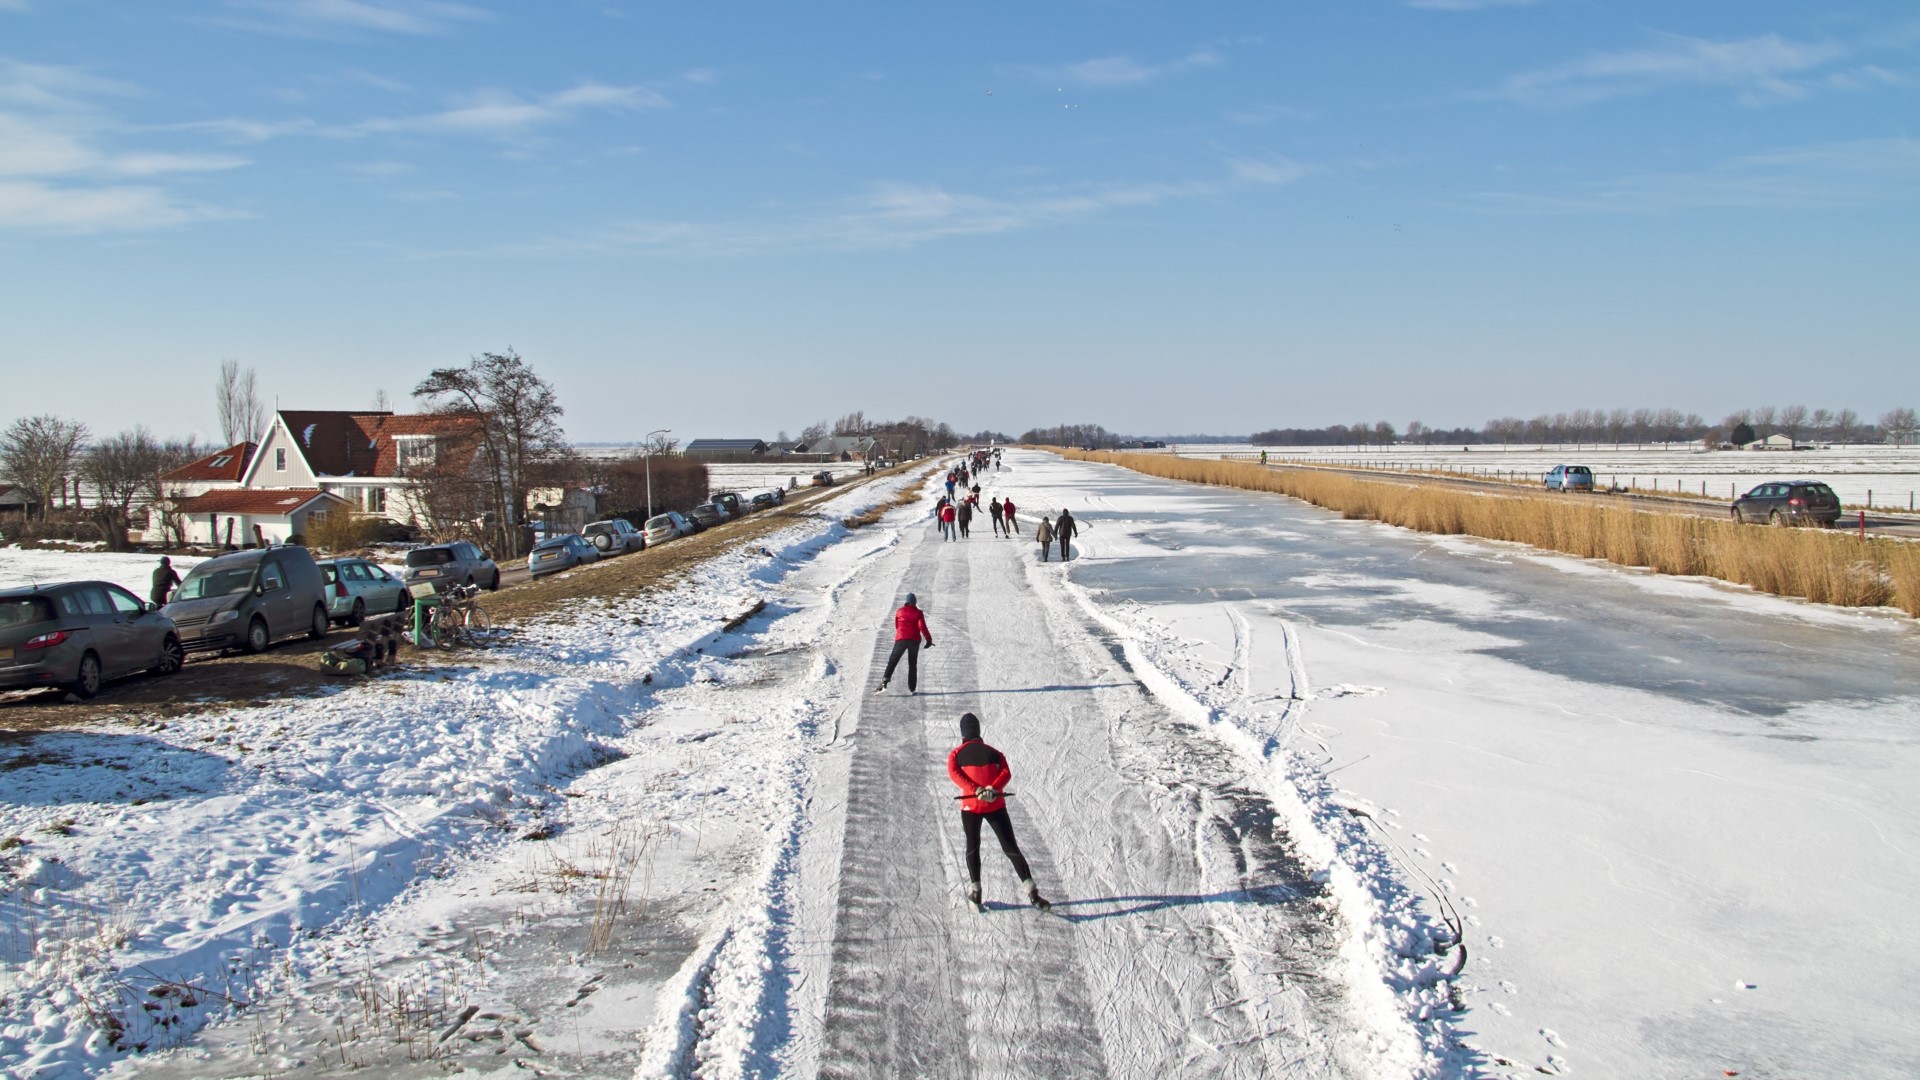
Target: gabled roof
{"type": "Point", "coordinates": [258, 502]}
{"type": "Point", "coordinates": [223, 466]}
{"type": "Point", "coordinates": [338, 444]}
{"type": "Point", "coordinates": [749, 445]}
{"type": "Point", "coordinates": [13, 495]}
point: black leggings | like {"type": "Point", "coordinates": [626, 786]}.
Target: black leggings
{"type": "Point", "coordinates": [1003, 829]}
{"type": "Point", "coordinates": [909, 647]}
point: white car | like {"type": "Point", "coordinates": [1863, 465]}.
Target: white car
{"type": "Point", "coordinates": [668, 526]}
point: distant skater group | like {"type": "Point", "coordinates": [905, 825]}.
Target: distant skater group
{"type": "Point", "coordinates": [979, 770]}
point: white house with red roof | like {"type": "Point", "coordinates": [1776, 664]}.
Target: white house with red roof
{"type": "Point", "coordinates": [369, 460]}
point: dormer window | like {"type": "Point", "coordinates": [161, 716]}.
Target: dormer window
{"type": "Point", "coordinates": [415, 451]}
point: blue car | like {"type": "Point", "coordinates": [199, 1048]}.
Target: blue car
{"type": "Point", "coordinates": [560, 553]}
{"type": "Point", "coordinates": [1570, 478]}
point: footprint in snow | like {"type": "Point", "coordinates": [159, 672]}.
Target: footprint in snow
{"type": "Point", "coordinates": [1558, 1064]}
{"type": "Point", "coordinates": [1497, 942]}
{"type": "Point", "coordinates": [1501, 1009]}
{"type": "Point", "coordinates": [1349, 690]}
{"type": "Point", "coordinates": [1553, 1037]}
{"type": "Point", "coordinates": [1449, 868]}
{"type": "Point", "coordinates": [1469, 901]}
{"type": "Point", "coordinates": [1509, 987]}
{"type": "Point", "coordinates": [1742, 984]}
{"type": "Point", "coordinates": [1422, 837]}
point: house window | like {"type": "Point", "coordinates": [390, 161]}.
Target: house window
{"type": "Point", "coordinates": [373, 500]}
{"type": "Point", "coordinates": [221, 460]}
{"type": "Point", "coordinates": [280, 459]}
{"type": "Point", "coordinates": [414, 451]}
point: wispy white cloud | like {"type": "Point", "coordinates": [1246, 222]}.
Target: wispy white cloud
{"type": "Point", "coordinates": [13, 5]}
{"type": "Point", "coordinates": [1122, 70]}
{"type": "Point", "coordinates": [502, 114]}
{"type": "Point", "coordinates": [330, 18]}
{"type": "Point", "coordinates": [60, 169]}
{"type": "Point", "coordinates": [36, 206]}
{"type": "Point", "coordinates": [899, 215]}
{"type": "Point", "coordinates": [1853, 173]}
{"type": "Point", "coordinates": [1757, 70]}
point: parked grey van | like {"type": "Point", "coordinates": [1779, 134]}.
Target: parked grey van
{"type": "Point", "coordinates": [250, 599]}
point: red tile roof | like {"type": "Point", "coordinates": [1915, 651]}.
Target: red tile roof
{"type": "Point", "coordinates": [226, 465]}
{"type": "Point", "coordinates": [361, 444]}
{"type": "Point", "coordinates": [256, 501]}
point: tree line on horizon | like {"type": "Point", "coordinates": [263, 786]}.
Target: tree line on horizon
{"type": "Point", "coordinates": [1617, 426]}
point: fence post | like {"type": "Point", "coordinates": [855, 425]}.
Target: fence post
{"type": "Point", "coordinates": [1863, 524]}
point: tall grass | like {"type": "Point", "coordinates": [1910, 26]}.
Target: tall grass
{"type": "Point", "coordinates": [1828, 567]}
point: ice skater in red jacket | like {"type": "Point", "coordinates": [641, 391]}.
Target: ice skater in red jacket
{"type": "Point", "coordinates": [909, 629]}
{"type": "Point", "coordinates": [982, 775]}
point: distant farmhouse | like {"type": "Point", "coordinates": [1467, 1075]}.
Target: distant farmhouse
{"type": "Point", "coordinates": [726, 449]}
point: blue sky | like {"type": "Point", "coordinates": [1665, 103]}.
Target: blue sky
{"type": "Point", "coordinates": [734, 219]}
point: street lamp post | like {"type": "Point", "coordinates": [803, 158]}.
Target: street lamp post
{"type": "Point", "coordinates": [647, 455]}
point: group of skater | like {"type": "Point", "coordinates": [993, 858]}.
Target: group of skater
{"type": "Point", "coordinates": [979, 770]}
{"type": "Point", "coordinates": [956, 510]}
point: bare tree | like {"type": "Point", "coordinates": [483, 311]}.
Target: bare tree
{"type": "Point", "coordinates": [1617, 422]}
{"type": "Point", "coordinates": [1537, 429]}
{"type": "Point", "coordinates": [1898, 425]}
{"type": "Point", "coordinates": [815, 431]}
{"type": "Point", "coordinates": [1383, 434]}
{"type": "Point", "coordinates": [1792, 419]}
{"type": "Point", "coordinates": [161, 516]}
{"type": "Point", "coordinates": [121, 469]}
{"type": "Point", "coordinates": [519, 416]}
{"type": "Point", "coordinates": [1822, 423]}
{"type": "Point", "coordinates": [237, 398]}
{"type": "Point", "coordinates": [1846, 424]}
{"type": "Point", "coordinates": [381, 402]}
{"type": "Point", "coordinates": [1764, 419]}
{"type": "Point", "coordinates": [38, 453]}
{"type": "Point", "coordinates": [1416, 431]}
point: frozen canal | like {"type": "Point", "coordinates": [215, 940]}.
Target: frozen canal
{"type": "Point", "coordinates": [1677, 818]}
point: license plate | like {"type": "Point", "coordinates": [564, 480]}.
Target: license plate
{"type": "Point", "coordinates": [6, 654]}
{"type": "Point", "coordinates": [544, 558]}
{"type": "Point", "coordinates": [428, 573]}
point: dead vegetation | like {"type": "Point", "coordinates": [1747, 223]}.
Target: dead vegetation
{"type": "Point", "coordinates": [1825, 566]}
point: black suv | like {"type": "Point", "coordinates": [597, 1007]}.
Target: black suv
{"type": "Point", "coordinates": [1789, 502]}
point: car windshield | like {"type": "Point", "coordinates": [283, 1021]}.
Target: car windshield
{"type": "Point", "coordinates": [549, 545]}
{"type": "Point", "coordinates": [433, 556]}
{"type": "Point", "coordinates": [1579, 470]}
{"type": "Point", "coordinates": [210, 581]}
{"type": "Point", "coordinates": [24, 611]}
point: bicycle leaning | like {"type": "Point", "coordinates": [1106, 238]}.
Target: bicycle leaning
{"type": "Point", "coordinates": [458, 619]}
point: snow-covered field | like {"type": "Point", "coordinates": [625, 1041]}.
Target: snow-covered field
{"type": "Point", "coordinates": [1669, 819]}
{"type": "Point", "coordinates": [30, 566]}
{"type": "Point", "coordinates": [1890, 473]}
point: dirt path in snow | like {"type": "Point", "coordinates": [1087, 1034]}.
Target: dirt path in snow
{"type": "Point", "coordinates": [1185, 938]}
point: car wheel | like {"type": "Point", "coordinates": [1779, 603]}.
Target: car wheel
{"type": "Point", "coordinates": [359, 613]}
{"type": "Point", "coordinates": [469, 581]}
{"type": "Point", "coordinates": [1738, 517]}
{"type": "Point", "coordinates": [86, 682]}
{"type": "Point", "coordinates": [603, 542]}
{"type": "Point", "coordinates": [257, 636]}
{"type": "Point", "coordinates": [495, 586]}
{"type": "Point", "coordinates": [1774, 519]}
{"type": "Point", "coordinates": [318, 632]}
{"type": "Point", "coordinates": [172, 657]}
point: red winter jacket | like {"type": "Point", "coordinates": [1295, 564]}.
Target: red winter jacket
{"type": "Point", "coordinates": [947, 512]}
{"type": "Point", "coordinates": [973, 765]}
{"type": "Point", "coordinates": [1006, 507]}
{"type": "Point", "coordinates": [909, 623]}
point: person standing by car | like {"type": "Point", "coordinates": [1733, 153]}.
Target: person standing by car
{"type": "Point", "coordinates": [1043, 532]}
{"type": "Point", "coordinates": [909, 630]}
{"type": "Point", "coordinates": [982, 774]}
{"type": "Point", "coordinates": [994, 511]}
{"type": "Point", "coordinates": [1064, 530]}
{"type": "Point", "coordinates": [1006, 507]}
{"type": "Point", "coordinates": [164, 580]}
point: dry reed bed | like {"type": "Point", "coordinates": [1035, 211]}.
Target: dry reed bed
{"type": "Point", "coordinates": [1829, 567]}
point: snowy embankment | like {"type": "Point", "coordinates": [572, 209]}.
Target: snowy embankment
{"type": "Point", "coordinates": [163, 874]}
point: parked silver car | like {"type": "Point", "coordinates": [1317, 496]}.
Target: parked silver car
{"type": "Point", "coordinates": [78, 634]}
{"type": "Point", "coordinates": [559, 553]}
{"type": "Point", "coordinates": [250, 599]}
{"type": "Point", "coordinates": [615, 536]}
{"type": "Point", "coordinates": [357, 588]}
{"type": "Point", "coordinates": [668, 526]}
{"type": "Point", "coordinates": [459, 563]}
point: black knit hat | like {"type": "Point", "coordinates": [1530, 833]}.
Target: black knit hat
{"type": "Point", "coordinates": [969, 726]}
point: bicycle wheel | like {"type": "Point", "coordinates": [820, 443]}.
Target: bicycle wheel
{"type": "Point", "coordinates": [478, 626]}
{"type": "Point", "coordinates": [443, 625]}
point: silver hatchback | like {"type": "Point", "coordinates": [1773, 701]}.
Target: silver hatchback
{"type": "Point", "coordinates": [357, 588]}
{"type": "Point", "coordinates": [79, 634]}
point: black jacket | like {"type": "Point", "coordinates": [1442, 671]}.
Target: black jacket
{"type": "Point", "coordinates": [1066, 527]}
